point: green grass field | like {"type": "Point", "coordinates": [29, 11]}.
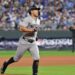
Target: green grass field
{"type": "Point", "coordinates": [47, 70]}
{"type": "Point", "coordinates": [50, 70]}
{"type": "Point", "coordinates": [42, 53]}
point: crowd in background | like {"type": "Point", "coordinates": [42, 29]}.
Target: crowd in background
{"type": "Point", "coordinates": [54, 14]}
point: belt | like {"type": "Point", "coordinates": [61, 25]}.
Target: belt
{"type": "Point", "coordinates": [29, 40]}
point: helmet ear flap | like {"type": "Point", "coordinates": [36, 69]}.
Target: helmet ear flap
{"type": "Point", "coordinates": [29, 12]}
{"type": "Point", "coordinates": [39, 13]}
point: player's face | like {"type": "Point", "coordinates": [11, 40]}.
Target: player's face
{"type": "Point", "coordinates": [35, 13]}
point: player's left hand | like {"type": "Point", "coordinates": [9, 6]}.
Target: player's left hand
{"type": "Point", "coordinates": [35, 29]}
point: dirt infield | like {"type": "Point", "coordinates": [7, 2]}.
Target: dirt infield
{"type": "Point", "coordinates": [44, 61]}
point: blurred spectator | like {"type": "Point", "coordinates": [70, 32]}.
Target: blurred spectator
{"type": "Point", "coordinates": [38, 4]}
{"type": "Point", "coordinates": [55, 14]}
{"type": "Point", "coordinates": [28, 4]}
{"type": "Point", "coordinates": [1, 11]}
{"type": "Point", "coordinates": [22, 2]}
{"type": "Point", "coordinates": [45, 3]}
{"type": "Point", "coordinates": [69, 4]}
{"type": "Point", "coordinates": [68, 22]}
{"type": "Point", "coordinates": [44, 14]}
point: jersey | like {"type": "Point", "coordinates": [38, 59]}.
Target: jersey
{"type": "Point", "coordinates": [29, 22]}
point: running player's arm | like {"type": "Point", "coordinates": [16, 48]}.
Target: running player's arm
{"type": "Point", "coordinates": [23, 26]}
{"type": "Point", "coordinates": [25, 29]}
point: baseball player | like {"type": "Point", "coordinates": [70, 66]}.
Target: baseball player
{"type": "Point", "coordinates": [29, 27]}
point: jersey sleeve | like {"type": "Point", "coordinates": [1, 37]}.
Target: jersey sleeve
{"type": "Point", "coordinates": [24, 22]}
{"type": "Point", "coordinates": [38, 21]}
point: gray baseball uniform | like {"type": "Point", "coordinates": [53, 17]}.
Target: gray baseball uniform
{"type": "Point", "coordinates": [25, 41]}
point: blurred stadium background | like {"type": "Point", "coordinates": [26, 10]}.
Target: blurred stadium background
{"type": "Point", "coordinates": [56, 18]}
{"type": "Point", "coordinates": [54, 36]}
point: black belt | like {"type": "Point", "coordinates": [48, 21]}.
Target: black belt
{"type": "Point", "coordinates": [29, 40]}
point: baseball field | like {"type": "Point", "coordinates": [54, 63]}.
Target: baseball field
{"type": "Point", "coordinates": [51, 63]}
